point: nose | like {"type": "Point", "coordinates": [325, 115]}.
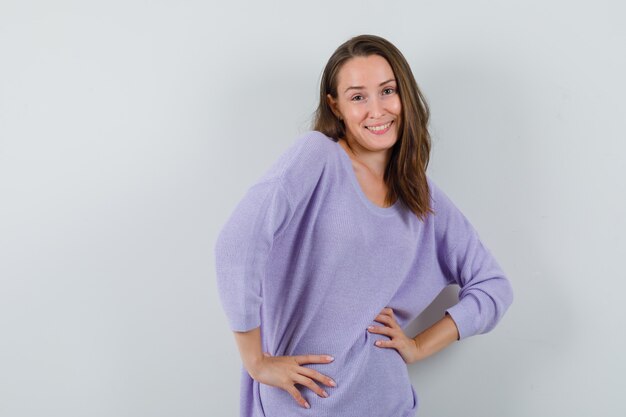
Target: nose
{"type": "Point", "coordinates": [376, 108]}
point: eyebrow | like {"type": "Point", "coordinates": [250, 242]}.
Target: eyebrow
{"type": "Point", "coordinates": [358, 87]}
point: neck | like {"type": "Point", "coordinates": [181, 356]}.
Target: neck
{"type": "Point", "coordinates": [374, 161]}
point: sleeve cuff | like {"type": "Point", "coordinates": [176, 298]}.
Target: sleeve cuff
{"type": "Point", "coordinates": [464, 313]}
{"type": "Point", "coordinates": [244, 323]}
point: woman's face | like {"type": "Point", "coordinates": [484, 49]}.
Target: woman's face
{"type": "Point", "coordinates": [368, 102]}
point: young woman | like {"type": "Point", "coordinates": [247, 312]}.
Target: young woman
{"type": "Point", "coordinates": [342, 243]}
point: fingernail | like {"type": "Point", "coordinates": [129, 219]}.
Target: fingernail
{"type": "Point", "coordinates": [333, 383]}
{"type": "Point", "coordinates": [330, 358]}
{"type": "Point", "coordinates": [370, 327]}
{"type": "Point", "coordinates": [324, 394]}
{"type": "Point", "coordinates": [306, 404]}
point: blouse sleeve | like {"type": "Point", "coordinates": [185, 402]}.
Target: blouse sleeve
{"type": "Point", "coordinates": [485, 292]}
{"type": "Point", "coordinates": [242, 249]}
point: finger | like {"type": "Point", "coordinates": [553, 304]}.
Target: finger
{"type": "Point", "coordinates": [302, 359]}
{"type": "Point", "coordinates": [380, 330]}
{"type": "Point", "coordinates": [383, 312]}
{"type": "Point", "coordinates": [313, 374]}
{"type": "Point", "coordinates": [386, 320]}
{"type": "Point", "coordinates": [295, 393]}
{"type": "Point", "coordinates": [392, 318]}
{"type": "Point", "coordinates": [387, 311]}
{"type": "Point", "coordinates": [385, 343]}
{"type": "Point", "coordinates": [309, 383]}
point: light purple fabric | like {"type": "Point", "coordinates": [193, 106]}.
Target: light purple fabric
{"type": "Point", "coordinates": [309, 258]}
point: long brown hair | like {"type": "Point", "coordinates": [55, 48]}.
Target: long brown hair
{"type": "Point", "coordinates": [405, 174]}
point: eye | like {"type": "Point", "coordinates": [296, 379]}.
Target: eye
{"type": "Point", "coordinates": [358, 97]}
{"type": "Point", "coordinates": [389, 90]}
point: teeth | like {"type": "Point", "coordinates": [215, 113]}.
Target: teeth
{"type": "Point", "coordinates": [378, 128]}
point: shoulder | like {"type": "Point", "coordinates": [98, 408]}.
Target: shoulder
{"type": "Point", "coordinates": [435, 192]}
{"type": "Point", "coordinates": [442, 204]}
{"type": "Point", "coordinates": [302, 164]}
{"type": "Point", "coordinates": [445, 211]}
{"type": "Point", "coordinates": [451, 225]}
{"type": "Point", "coordinates": [308, 152]}
{"type": "Point", "coordinates": [312, 145]}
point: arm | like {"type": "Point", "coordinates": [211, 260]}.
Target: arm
{"type": "Point", "coordinates": [436, 337]}
{"type": "Point", "coordinates": [249, 344]}
{"type": "Point", "coordinates": [485, 292]}
{"type": "Point", "coordinates": [242, 251]}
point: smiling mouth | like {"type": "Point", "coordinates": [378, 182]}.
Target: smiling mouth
{"type": "Point", "coordinates": [380, 128]}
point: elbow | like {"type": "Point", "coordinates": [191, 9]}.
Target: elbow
{"type": "Point", "coordinates": [507, 295]}
{"type": "Point", "coordinates": [502, 300]}
{"type": "Point", "coordinates": [492, 304]}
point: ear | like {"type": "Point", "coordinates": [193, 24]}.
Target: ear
{"type": "Point", "coordinates": [332, 103]}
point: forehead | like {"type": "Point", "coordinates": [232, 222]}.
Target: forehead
{"type": "Point", "coordinates": [365, 71]}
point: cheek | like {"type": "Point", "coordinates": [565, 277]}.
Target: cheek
{"type": "Point", "coordinates": [397, 106]}
{"type": "Point", "coordinates": [355, 116]}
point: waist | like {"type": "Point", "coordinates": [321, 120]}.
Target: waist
{"type": "Point", "coordinates": [371, 381]}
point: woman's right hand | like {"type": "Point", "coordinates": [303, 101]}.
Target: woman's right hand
{"type": "Point", "coordinates": [286, 371]}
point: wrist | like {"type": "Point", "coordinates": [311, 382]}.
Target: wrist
{"type": "Point", "coordinates": [253, 364]}
{"type": "Point", "coordinates": [457, 335]}
{"type": "Point", "coordinates": [419, 348]}
{"type": "Point", "coordinates": [249, 344]}
{"type": "Point", "coordinates": [436, 337]}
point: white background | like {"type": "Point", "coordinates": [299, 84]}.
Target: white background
{"type": "Point", "coordinates": [130, 129]}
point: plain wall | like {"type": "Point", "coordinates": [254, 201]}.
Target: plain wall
{"type": "Point", "coordinates": [130, 129]}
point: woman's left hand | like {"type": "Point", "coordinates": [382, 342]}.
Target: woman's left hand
{"type": "Point", "coordinates": [406, 347]}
